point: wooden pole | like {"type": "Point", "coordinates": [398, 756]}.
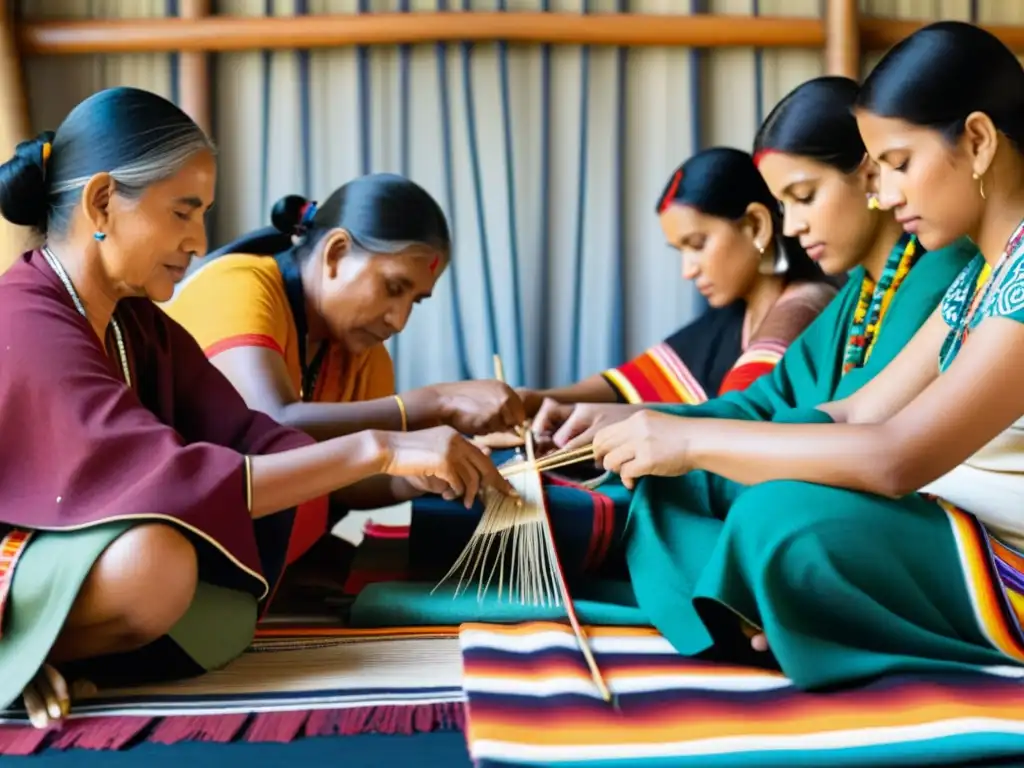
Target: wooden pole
{"type": "Point", "coordinates": [842, 39]}
{"type": "Point", "coordinates": [14, 127]}
{"type": "Point", "coordinates": [245, 33]}
{"type": "Point", "coordinates": [194, 70]}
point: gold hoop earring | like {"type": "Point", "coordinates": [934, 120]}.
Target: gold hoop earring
{"type": "Point", "coordinates": [981, 185]}
{"type": "Point", "coordinates": [873, 204]}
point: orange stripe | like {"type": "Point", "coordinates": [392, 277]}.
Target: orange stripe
{"type": "Point", "coordinates": [243, 340]}
{"type": "Point", "coordinates": [533, 627]}
{"type": "Point", "coordinates": [987, 595]}
{"type": "Point", "coordinates": [669, 390]}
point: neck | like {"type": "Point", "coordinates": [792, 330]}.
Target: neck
{"type": "Point", "coordinates": [316, 328]}
{"type": "Point", "coordinates": [761, 299]}
{"type": "Point", "coordinates": [889, 233]}
{"type": "Point", "coordinates": [999, 221]}
{"type": "Point", "coordinates": [90, 282]}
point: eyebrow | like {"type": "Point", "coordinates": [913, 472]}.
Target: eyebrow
{"type": "Point", "coordinates": [409, 284]}
{"type": "Point", "coordinates": [191, 201]}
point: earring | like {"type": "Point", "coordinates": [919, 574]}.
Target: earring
{"type": "Point", "coordinates": [873, 204]}
{"type": "Point", "coordinates": [760, 248]}
{"type": "Point", "coordinates": [99, 237]}
{"type": "Point", "coordinates": [981, 185]}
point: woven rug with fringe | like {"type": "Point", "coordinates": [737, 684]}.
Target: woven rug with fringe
{"type": "Point", "coordinates": [291, 684]}
{"type": "Point", "coordinates": [669, 710]}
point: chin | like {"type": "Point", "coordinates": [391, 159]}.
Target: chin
{"type": "Point", "coordinates": [718, 300]}
{"type": "Point", "coordinates": [932, 240]}
{"type": "Point", "coordinates": [160, 293]}
{"type": "Point", "coordinates": [837, 266]}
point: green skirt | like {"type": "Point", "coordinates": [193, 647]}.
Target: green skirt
{"type": "Point", "coordinates": [218, 626]}
{"type": "Point", "coordinates": [845, 585]}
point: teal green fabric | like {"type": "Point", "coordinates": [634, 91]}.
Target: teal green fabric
{"type": "Point", "coordinates": [416, 604]}
{"type": "Point", "coordinates": [825, 571]}
{"type": "Point", "coordinates": [218, 626]}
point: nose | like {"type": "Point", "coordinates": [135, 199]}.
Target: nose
{"type": "Point", "coordinates": [397, 316]}
{"type": "Point", "coordinates": [889, 193]}
{"type": "Point", "coordinates": [792, 226]}
{"type": "Point", "coordinates": [691, 266]}
{"type": "Point", "coordinates": [196, 242]}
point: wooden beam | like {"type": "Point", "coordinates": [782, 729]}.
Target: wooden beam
{"type": "Point", "coordinates": [882, 34]}
{"type": "Point", "coordinates": [842, 39]}
{"type": "Point", "coordinates": [14, 127]}
{"type": "Point", "coordinates": [242, 33]}
{"type": "Point", "coordinates": [194, 70]}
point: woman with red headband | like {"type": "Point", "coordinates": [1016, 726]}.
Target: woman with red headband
{"type": "Point", "coordinates": [762, 288]}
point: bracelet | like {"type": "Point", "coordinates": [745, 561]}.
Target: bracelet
{"type": "Point", "coordinates": [248, 483]}
{"type": "Point", "coordinates": [401, 410]}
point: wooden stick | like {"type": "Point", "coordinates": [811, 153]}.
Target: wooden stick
{"type": "Point", "coordinates": [250, 33]}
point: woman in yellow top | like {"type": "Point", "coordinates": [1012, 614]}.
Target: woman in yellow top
{"type": "Point", "coordinates": [296, 316]}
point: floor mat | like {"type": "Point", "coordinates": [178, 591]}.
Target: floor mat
{"type": "Point", "coordinates": [670, 710]}
{"type": "Point", "coordinates": [290, 684]}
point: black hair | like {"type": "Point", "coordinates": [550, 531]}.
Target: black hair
{"type": "Point", "coordinates": [723, 182]}
{"type": "Point", "coordinates": [942, 73]}
{"type": "Point", "coordinates": [815, 120]}
{"type": "Point", "coordinates": [381, 212]}
{"type": "Point", "coordinates": [137, 137]}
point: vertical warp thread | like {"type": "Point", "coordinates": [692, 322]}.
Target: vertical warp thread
{"type": "Point", "coordinates": [449, 184]}
{"type": "Point", "coordinates": [474, 159]}
{"type": "Point", "coordinates": [363, 65]}
{"type": "Point", "coordinates": [617, 351]}
{"type": "Point", "coordinates": [544, 370]}
{"type": "Point", "coordinates": [404, 160]}
{"type": "Point", "coordinates": [581, 207]}
{"type": "Point", "coordinates": [510, 186]}
{"type": "Point", "coordinates": [305, 110]}
{"type": "Point", "coordinates": [170, 11]}
{"type": "Point", "coordinates": [758, 74]}
{"type": "Point", "coordinates": [268, 10]}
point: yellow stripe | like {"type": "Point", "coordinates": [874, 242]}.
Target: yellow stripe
{"type": "Point", "coordinates": [625, 387]}
{"type": "Point", "coordinates": [685, 393]}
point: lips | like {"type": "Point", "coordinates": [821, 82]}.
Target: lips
{"type": "Point", "coordinates": [176, 272]}
{"type": "Point", "coordinates": [815, 251]}
{"type": "Point", "coordinates": [909, 223]}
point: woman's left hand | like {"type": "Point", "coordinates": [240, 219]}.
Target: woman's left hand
{"type": "Point", "coordinates": [480, 407]}
{"type": "Point", "coordinates": [647, 443]}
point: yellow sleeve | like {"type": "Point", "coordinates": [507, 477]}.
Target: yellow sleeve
{"type": "Point", "coordinates": [234, 301]}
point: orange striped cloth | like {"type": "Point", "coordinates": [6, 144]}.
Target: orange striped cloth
{"type": "Point", "coordinates": [239, 300]}
{"type": "Point", "coordinates": [712, 356]}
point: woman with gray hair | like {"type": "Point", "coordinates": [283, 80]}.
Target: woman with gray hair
{"type": "Point", "coordinates": [147, 513]}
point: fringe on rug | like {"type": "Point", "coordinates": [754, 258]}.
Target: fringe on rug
{"type": "Point", "coordinates": [114, 733]}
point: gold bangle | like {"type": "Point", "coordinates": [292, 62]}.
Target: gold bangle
{"type": "Point", "coordinates": [248, 483]}
{"type": "Point", "coordinates": [401, 410]}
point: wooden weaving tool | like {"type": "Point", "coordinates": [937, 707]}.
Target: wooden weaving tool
{"type": "Point", "coordinates": [514, 543]}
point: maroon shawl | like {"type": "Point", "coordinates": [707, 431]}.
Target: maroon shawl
{"type": "Point", "coordinates": [80, 447]}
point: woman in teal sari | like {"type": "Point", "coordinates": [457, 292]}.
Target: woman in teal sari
{"type": "Point", "coordinates": [827, 546]}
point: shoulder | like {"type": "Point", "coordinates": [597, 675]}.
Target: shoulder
{"type": "Point", "coordinates": [1006, 299]}
{"type": "Point", "coordinates": [960, 291]}
{"type": "Point", "coordinates": [235, 275]}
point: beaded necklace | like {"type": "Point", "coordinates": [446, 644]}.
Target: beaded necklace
{"type": "Point", "coordinates": [62, 275]}
{"type": "Point", "coordinates": [874, 300]}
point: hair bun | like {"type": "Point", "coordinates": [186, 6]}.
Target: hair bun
{"type": "Point", "coordinates": [24, 196]}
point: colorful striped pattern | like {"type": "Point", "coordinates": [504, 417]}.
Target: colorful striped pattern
{"type": "Point", "coordinates": [674, 711]}
{"type": "Point", "coordinates": [657, 376]}
{"type": "Point", "coordinates": [759, 359]}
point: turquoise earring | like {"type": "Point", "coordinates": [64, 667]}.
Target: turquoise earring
{"type": "Point", "coordinates": [99, 236]}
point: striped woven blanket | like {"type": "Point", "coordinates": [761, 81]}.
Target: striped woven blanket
{"type": "Point", "coordinates": [291, 683]}
{"type": "Point", "coordinates": [531, 702]}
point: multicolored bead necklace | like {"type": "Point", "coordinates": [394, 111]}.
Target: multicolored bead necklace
{"type": "Point", "coordinates": [874, 300]}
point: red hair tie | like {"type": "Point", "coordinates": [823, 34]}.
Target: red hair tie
{"type": "Point", "coordinates": [670, 194]}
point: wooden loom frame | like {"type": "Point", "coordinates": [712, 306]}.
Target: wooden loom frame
{"type": "Point", "coordinates": [843, 33]}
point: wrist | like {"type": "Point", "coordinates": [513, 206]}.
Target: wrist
{"type": "Point", "coordinates": [425, 407]}
{"type": "Point", "coordinates": [375, 450]}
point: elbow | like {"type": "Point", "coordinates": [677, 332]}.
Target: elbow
{"type": "Point", "coordinates": [894, 476]}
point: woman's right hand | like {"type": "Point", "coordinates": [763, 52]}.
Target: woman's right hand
{"type": "Point", "coordinates": [444, 454]}
{"type": "Point", "coordinates": [573, 425]}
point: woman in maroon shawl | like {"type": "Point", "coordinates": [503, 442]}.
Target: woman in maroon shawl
{"type": "Point", "coordinates": [147, 514]}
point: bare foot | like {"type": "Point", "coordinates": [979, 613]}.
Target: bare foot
{"type": "Point", "coordinates": [47, 700]}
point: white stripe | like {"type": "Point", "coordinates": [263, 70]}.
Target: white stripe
{"type": "Point", "coordinates": [534, 642]}
{"type": "Point", "coordinates": [582, 685]}
{"type": "Point", "coordinates": [736, 744]}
